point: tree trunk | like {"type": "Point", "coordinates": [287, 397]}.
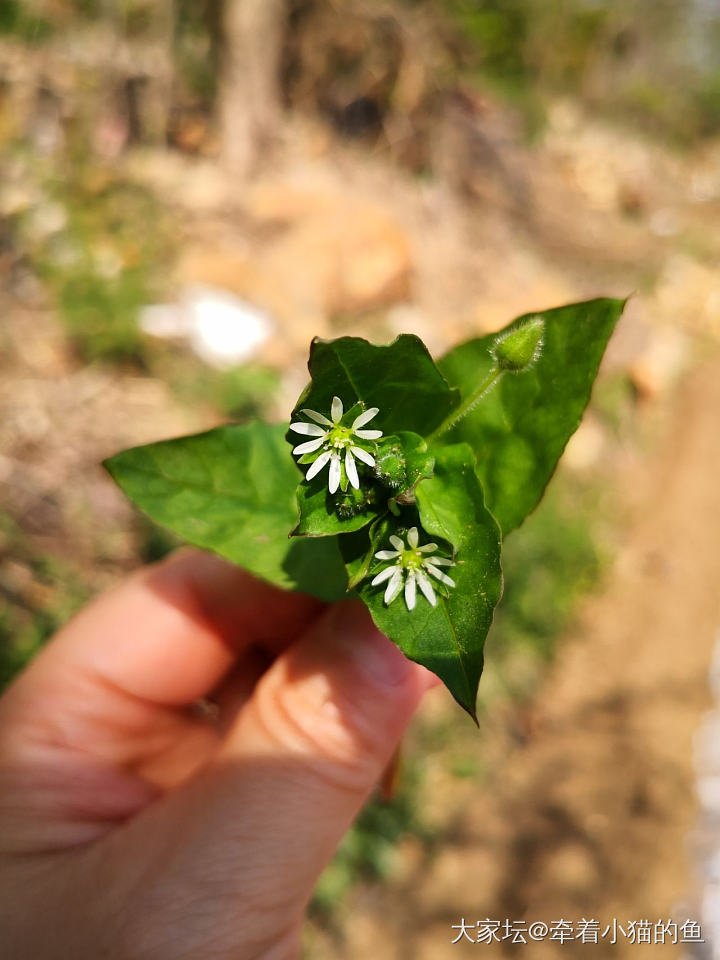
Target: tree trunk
{"type": "Point", "coordinates": [249, 91]}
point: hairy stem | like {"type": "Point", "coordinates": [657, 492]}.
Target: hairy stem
{"type": "Point", "coordinates": [467, 405]}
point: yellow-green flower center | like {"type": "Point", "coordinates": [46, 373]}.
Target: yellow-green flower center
{"type": "Point", "coordinates": [339, 437]}
{"type": "Point", "coordinates": [411, 559]}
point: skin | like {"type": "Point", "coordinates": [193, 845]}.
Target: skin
{"type": "Point", "coordinates": [136, 824]}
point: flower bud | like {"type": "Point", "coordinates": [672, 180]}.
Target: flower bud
{"type": "Point", "coordinates": [390, 465]}
{"type": "Point", "coordinates": [518, 349]}
{"type": "Point", "coordinates": [350, 504]}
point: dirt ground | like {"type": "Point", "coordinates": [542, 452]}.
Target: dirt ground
{"type": "Point", "coordinates": [585, 802]}
{"type": "Point", "coordinates": [591, 815]}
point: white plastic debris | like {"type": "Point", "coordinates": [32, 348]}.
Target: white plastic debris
{"type": "Point", "coordinates": [221, 329]}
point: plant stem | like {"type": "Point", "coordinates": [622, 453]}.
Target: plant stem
{"type": "Point", "coordinates": [466, 406]}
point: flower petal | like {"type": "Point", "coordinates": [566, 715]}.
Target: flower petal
{"type": "Point", "coordinates": [317, 465]}
{"type": "Point", "coordinates": [368, 434]}
{"type": "Point", "coordinates": [428, 548]}
{"type": "Point", "coordinates": [394, 586]}
{"type": "Point", "coordinates": [363, 455]}
{"type": "Point", "coordinates": [387, 554]}
{"type": "Point", "coordinates": [309, 446]}
{"type": "Point", "coordinates": [412, 537]}
{"type": "Point", "coordinates": [439, 575]}
{"type": "Point", "coordinates": [439, 561]}
{"type": "Point", "coordinates": [317, 417]}
{"type": "Point", "coordinates": [426, 588]}
{"type": "Point", "coordinates": [397, 543]}
{"type": "Point", "coordinates": [351, 470]}
{"type": "Point", "coordinates": [335, 473]}
{"type": "Point", "coordinates": [383, 576]}
{"type": "Point", "coordinates": [308, 429]}
{"type": "Point", "coordinates": [410, 590]}
{"type": "Point", "coordinates": [365, 417]}
{"type": "Point", "coordinates": [336, 410]}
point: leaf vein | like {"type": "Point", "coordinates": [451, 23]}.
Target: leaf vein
{"type": "Point", "coordinates": [188, 485]}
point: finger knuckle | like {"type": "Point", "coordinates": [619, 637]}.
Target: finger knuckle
{"type": "Point", "coordinates": [336, 736]}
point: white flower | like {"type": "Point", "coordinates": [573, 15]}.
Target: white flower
{"type": "Point", "coordinates": [411, 566]}
{"type": "Point", "coordinates": [336, 444]}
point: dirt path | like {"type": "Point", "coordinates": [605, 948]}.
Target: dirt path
{"type": "Point", "coordinates": [608, 787]}
{"type": "Point", "coordinates": [590, 817]}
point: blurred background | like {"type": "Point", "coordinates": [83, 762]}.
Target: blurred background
{"type": "Point", "coordinates": [192, 189]}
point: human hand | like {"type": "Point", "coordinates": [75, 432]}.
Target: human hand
{"type": "Point", "coordinates": [132, 826]}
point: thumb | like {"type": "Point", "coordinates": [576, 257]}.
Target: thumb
{"type": "Point", "coordinates": [299, 763]}
{"type": "Point", "coordinates": [321, 728]}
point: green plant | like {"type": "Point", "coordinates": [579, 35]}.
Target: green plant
{"type": "Point", "coordinates": [99, 313]}
{"type": "Point", "coordinates": [240, 393]}
{"type": "Point", "coordinates": [464, 453]}
{"type": "Point", "coordinates": [368, 850]}
{"type": "Point", "coordinates": [648, 64]}
{"type": "Point", "coordinates": [25, 25]}
{"type": "Point", "coordinates": [555, 560]}
{"type": "Point", "coordinates": [29, 618]}
{"type": "Point", "coordinates": [102, 265]}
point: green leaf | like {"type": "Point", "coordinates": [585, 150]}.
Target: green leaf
{"type": "Point", "coordinates": [232, 491]}
{"type": "Point", "coordinates": [400, 378]}
{"type": "Point", "coordinates": [357, 550]}
{"type": "Point", "coordinates": [324, 514]}
{"type": "Point", "coordinates": [519, 427]}
{"type": "Point", "coordinates": [448, 638]}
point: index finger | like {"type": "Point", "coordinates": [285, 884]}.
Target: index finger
{"type": "Point", "coordinates": [169, 633]}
